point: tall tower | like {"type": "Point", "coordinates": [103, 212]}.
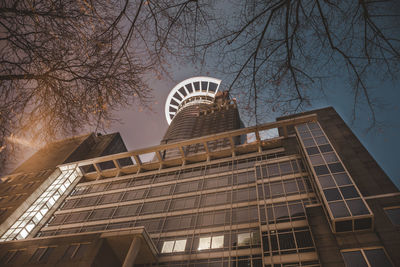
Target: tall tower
{"type": "Point", "coordinates": [195, 107]}
{"type": "Point", "coordinates": [213, 193]}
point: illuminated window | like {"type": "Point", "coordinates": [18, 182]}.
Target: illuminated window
{"type": "Point", "coordinates": [174, 246]}
{"type": "Point", "coordinates": [35, 213]}
{"type": "Point", "coordinates": [211, 242]}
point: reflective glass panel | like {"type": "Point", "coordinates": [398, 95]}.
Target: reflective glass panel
{"type": "Point", "coordinates": [339, 209]}
{"type": "Point", "coordinates": [354, 259]}
{"type": "Point", "coordinates": [332, 194]}
{"type": "Point", "coordinates": [357, 207]}
{"type": "Point", "coordinates": [394, 215]}
{"type": "Point", "coordinates": [349, 192]}
{"type": "Point", "coordinates": [326, 181]}
{"type": "Point", "coordinates": [377, 258]}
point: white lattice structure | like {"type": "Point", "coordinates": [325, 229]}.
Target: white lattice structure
{"type": "Point", "coordinates": [192, 90]}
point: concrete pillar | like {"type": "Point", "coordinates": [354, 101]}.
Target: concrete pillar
{"type": "Point", "coordinates": [132, 252]}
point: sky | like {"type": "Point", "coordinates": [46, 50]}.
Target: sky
{"type": "Point", "coordinates": [142, 128]}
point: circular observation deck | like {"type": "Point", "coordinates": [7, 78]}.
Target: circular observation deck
{"type": "Point", "coordinates": [190, 91]}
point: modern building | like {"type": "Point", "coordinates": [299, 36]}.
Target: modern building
{"type": "Point", "coordinates": [213, 193]}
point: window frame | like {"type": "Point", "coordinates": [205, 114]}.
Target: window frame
{"type": "Point", "coordinates": [362, 250]}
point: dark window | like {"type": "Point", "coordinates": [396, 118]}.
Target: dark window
{"type": "Point", "coordinates": [286, 241]}
{"type": "Point", "coordinates": [77, 217]}
{"type": "Point", "coordinates": [265, 243]}
{"type": "Point", "coordinates": [160, 191]}
{"type": "Point", "coordinates": [339, 209]}
{"type": "Point", "coordinates": [154, 207]}
{"type": "Point", "coordinates": [354, 258]}
{"type": "Point", "coordinates": [361, 224]}
{"type": "Point", "coordinates": [81, 251]}
{"type": "Point", "coordinates": [281, 212]}
{"type": "Point", "coordinates": [110, 198]}
{"type": "Point", "coordinates": [302, 128]}
{"type": "Point", "coordinates": [305, 135]}
{"type": "Point", "coordinates": [11, 256]}
{"type": "Point", "coordinates": [273, 170]}
{"type": "Point", "coordinates": [357, 207]}
{"type": "Point", "coordinates": [101, 214]}
{"type": "Point", "coordinates": [136, 194]}
{"type": "Point", "coordinates": [183, 203]}
{"type": "Point", "coordinates": [286, 168]}
{"type": "Point", "coordinates": [317, 160]}
{"type": "Point", "coordinates": [69, 253]}
{"type": "Point", "coordinates": [377, 257]}
{"type": "Point", "coordinates": [321, 140]}
{"type": "Point", "coordinates": [187, 187]}
{"type": "Point", "coordinates": [344, 226]}
{"type": "Point", "coordinates": [87, 201]}
{"type": "Point", "coordinates": [312, 150]}
{"type": "Point", "coordinates": [276, 189]}
{"type": "Point", "coordinates": [118, 184]}
{"type": "Point", "coordinates": [303, 239]}
{"type": "Point", "coordinates": [125, 211]}
{"type": "Point", "coordinates": [394, 215]}
{"type": "Point", "coordinates": [332, 194]}
{"type": "Point", "coordinates": [290, 187]}
{"type": "Point", "coordinates": [317, 132]}
{"type": "Point", "coordinates": [326, 181]}
{"type": "Point", "coordinates": [330, 157]}
{"type": "Point", "coordinates": [321, 170]}
{"type": "Point", "coordinates": [274, 242]}
{"type": "Point", "coordinates": [309, 142]}
{"type": "Point", "coordinates": [296, 210]}
{"type": "Point", "coordinates": [342, 179]}
{"type": "Point", "coordinates": [42, 255]}
{"type": "Point", "coordinates": [325, 148]}
{"type": "Point", "coordinates": [349, 192]}
{"type": "Point", "coordinates": [336, 167]}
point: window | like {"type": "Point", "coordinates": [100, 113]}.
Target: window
{"type": "Point", "coordinates": [174, 246]}
{"type": "Point", "coordinates": [394, 215]}
{"type": "Point", "coordinates": [368, 257]}
{"type": "Point", "coordinates": [11, 256]}
{"type": "Point", "coordinates": [209, 242]}
{"type": "Point", "coordinates": [247, 239]}
{"type": "Point", "coordinates": [76, 251]}
{"type": "Point", "coordinates": [288, 241]}
{"type": "Point", "coordinates": [41, 255]}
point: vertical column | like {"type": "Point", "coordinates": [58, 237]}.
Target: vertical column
{"type": "Point", "coordinates": [132, 252]}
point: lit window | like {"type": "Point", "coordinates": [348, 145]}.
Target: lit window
{"type": "Point", "coordinates": [174, 246]}
{"type": "Point", "coordinates": [375, 257]}
{"type": "Point", "coordinates": [35, 213]}
{"type": "Point", "coordinates": [211, 242]}
{"type": "Point", "coordinates": [394, 215]}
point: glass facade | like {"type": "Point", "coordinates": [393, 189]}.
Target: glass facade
{"type": "Point", "coordinates": [344, 203]}
{"type": "Point", "coordinates": [213, 207]}
{"type": "Point", "coordinates": [34, 215]}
